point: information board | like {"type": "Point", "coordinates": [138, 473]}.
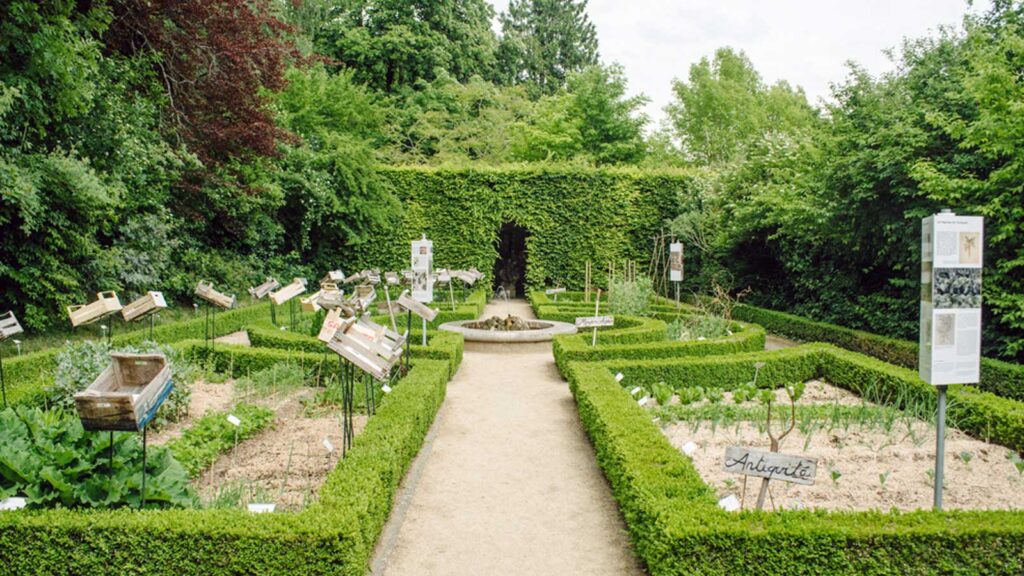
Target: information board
{"type": "Point", "coordinates": [950, 334]}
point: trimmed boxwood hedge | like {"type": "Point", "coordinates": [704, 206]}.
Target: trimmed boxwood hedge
{"type": "Point", "coordinates": [999, 377]}
{"type": "Point", "coordinates": [334, 536]}
{"type": "Point", "coordinates": [677, 528]}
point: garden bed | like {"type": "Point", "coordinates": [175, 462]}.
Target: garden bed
{"type": "Point", "coordinates": [869, 456]}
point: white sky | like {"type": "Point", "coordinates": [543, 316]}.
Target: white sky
{"type": "Point", "coordinates": [806, 42]}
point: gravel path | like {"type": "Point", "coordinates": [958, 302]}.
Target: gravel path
{"type": "Point", "coordinates": [507, 482]}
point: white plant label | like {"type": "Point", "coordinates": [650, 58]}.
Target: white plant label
{"type": "Point", "coordinates": [386, 389]}
{"type": "Point", "coordinates": [689, 448]}
{"type": "Point", "coordinates": [643, 400]}
{"type": "Point", "coordinates": [327, 445]}
{"type": "Point", "coordinates": [13, 503]}
{"type": "Point", "coordinates": [619, 377]}
{"type": "Point", "coordinates": [730, 503]}
{"type": "Point", "coordinates": [635, 390]}
{"type": "Point", "coordinates": [234, 420]}
{"type": "Point", "coordinates": [261, 508]}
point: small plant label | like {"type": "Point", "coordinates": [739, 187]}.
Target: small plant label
{"type": "Point", "coordinates": [261, 508]}
{"type": "Point", "coordinates": [13, 503]}
{"type": "Point", "coordinates": [234, 420]}
{"type": "Point", "coordinates": [619, 377]}
{"type": "Point", "coordinates": [327, 445]}
{"type": "Point", "coordinates": [551, 291]}
{"type": "Point", "coordinates": [689, 448]}
{"type": "Point", "coordinates": [595, 321]}
{"type": "Point", "coordinates": [643, 400]}
{"type": "Point", "coordinates": [386, 389]}
{"type": "Point", "coordinates": [634, 391]}
{"type": "Point", "coordinates": [770, 465]}
{"type": "Point", "coordinates": [730, 503]}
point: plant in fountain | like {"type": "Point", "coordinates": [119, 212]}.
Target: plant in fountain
{"type": "Point", "coordinates": [794, 391]}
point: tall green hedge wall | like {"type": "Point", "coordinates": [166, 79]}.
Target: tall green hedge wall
{"type": "Point", "coordinates": [572, 214]}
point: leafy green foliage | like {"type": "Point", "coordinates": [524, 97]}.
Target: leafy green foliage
{"type": "Point", "coordinates": [79, 364]}
{"type": "Point", "coordinates": [200, 444]}
{"type": "Point", "coordinates": [630, 297]}
{"type": "Point", "coordinates": [51, 460]}
{"type": "Point", "coordinates": [542, 41]}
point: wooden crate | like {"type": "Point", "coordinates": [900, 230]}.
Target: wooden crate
{"type": "Point", "coordinates": [298, 286]}
{"type": "Point", "coordinates": [334, 276]}
{"type": "Point", "coordinates": [127, 394]}
{"type": "Point", "coordinates": [311, 303]}
{"type": "Point", "coordinates": [331, 296]}
{"type": "Point", "coordinates": [106, 304]}
{"type": "Point", "coordinates": [144, 306]}
{"type": "Point", "coordinates": [391, 278]}
{"type": "Point", "coordinates": [416, 307]}
{"type": "Point", "coordinates": [261, 291]}
{"type": "Point", "coordinates": [9, 326]}
{"type": "Point", "coordinates": [332, 324]}
{"type": "Point", "coordinates": [205, 291]}
{"type": "Point", "coordinates": [372, 348]}
{"type": "Point", "coordinates": [443, 276]}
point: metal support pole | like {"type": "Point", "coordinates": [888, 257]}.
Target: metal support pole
{"type": "Point", "coordinates": [143, 503]}
{"type": "Point", "coordinates": [206, 326]}
{"type": "Point", "coordinates": [273, 313]}
{"type": "Point", "coordinates": [3, 383]}
{"type": "Point", "coordinates": [213, 330]}
{"type": "Point", "coordinates": [940, 446]}
{"type": "Point", "coordinates": [152, 320]}
{"type": "Point", "coordinates": [408, 338]}
{"type": "Point", "coordinates": [110, 331]}
{"type": "Point", "coordinates": [424, 331]}
{"type": "Point", "coordinates": [111, 450]}
{"type": "Point", "coordinates": [391, 311]}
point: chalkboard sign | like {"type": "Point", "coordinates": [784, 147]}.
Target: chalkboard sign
{"type": "Point", "coordinates": [770, 465]}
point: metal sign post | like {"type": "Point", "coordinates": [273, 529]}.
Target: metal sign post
{"type": "Point", "coordinates": [949, 349]}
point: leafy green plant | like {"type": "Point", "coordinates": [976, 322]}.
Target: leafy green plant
{"type": "Point", "coordinates": [211, 435]}
{"type": "Point", "coordinates": [883, 478]}
{"type": "Point", "coordinates": [965, 457]}
{"type": "Point", "coordinates": [835, 475]}
{"type": "Point", "coordinates": [698, 327]}
{"type": "Point", "coordinates": [51, 460]}
{"type": "Point", "coordinates": [79, 364]}
{"type": "Point", "coordinates": [662, 392]}
{"type": "Point", "coordinates": [691, 394]}
{"type": "Point", "coordinates": [631, 297]}
{"type": "Point", "coordinates": [714, 395]}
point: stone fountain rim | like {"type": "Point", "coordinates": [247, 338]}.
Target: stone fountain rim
{"type": "Point", "coordinates": [512, 336]}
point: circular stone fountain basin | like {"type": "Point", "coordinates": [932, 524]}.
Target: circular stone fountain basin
{"type": "Point", "coordinates": [540, 331]}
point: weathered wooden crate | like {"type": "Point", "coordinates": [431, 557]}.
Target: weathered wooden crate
{"type": "Point", "coordinates": [9, 326]}
{"type": "Point", "coordinates": [479, 275]}
{"type": "Point", "coordinates": [408, 276]}
{"type": "Point", "coordinates": [311, 303]}
{"type": "Point", "coordinates": [467, 277]}
{"type": "Point", "coordinates": [205, 291]}
{"type": "Point", "coordinates": [371, 347]}
{"type": "Point", "coordinates": [332, 324]}
{"type": "Point", "coordinates": [391, 278]}
{"type": "Point", "coordinates": [144, 306]}
{"type": "Point", "coordinates": [331, 296]}
{"type": "Point", "coordinates": [443, 276]}
{"type": "Point", "coordinates": [353, 278]}
{"type": "Point", "coordinates": [286, 293]}
{"type": "Point", "coordinates": [334, 276]}
{"type": "Point", "coordinates": [106, 303]}
{"type": "Point", "coordinates": [127, 394]}
{"type": "Point", "coordinates": [261, 291]}
{"type": "Point", "coordinates": [416, 307]}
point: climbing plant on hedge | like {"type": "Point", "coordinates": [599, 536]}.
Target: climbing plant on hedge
{"type": "Point", "coordinates": [573, 215]}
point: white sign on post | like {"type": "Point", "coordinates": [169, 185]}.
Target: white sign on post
{"type": "Point", "coordinates": [675, 261]}
{"type": "Point", "coordinates": [595, 321]}
{"type": "Point", "coordinates": [951, 261]}
{"type": "Point", "coordinates": [770, 465]}
{"type": "Point", "coordinates": [422, 259]}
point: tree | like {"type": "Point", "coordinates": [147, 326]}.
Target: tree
{"type": "Point", "coordinates": [390, 44]}
{"type": "Point", "coordinates": [216, 60]}
{"type": "Point", "coordinates": [610, 124]}
{"type": "Point", "coordinates": [544, 41]}
{"type": "Point", "coordinates": [725, 105]}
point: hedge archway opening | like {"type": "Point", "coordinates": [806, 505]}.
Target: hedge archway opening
{"type": "Point", "coordinates": [510, 267]}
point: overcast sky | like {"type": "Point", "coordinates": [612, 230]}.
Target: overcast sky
{"type": "Point", "coordinates": [806, 42]}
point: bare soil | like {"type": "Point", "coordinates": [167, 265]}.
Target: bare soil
{"type": "Point", "coordinates": [286, 463]}
{"type": "Point", "coordinates": [874, 468]}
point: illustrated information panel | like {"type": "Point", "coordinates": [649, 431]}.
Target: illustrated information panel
{"type": "Point", "coordinates": [950, 336]}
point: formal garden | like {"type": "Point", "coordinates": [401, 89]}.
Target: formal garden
{"type": "Point", "coordinates": [325, 287]}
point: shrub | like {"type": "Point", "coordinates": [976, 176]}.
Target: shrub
{"type": "Point", "coordinates": [212, 435]}
{"type": "Point", "coordinates": [631, 297]}
{"type": "Point", "coordinates": [51, 460]}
